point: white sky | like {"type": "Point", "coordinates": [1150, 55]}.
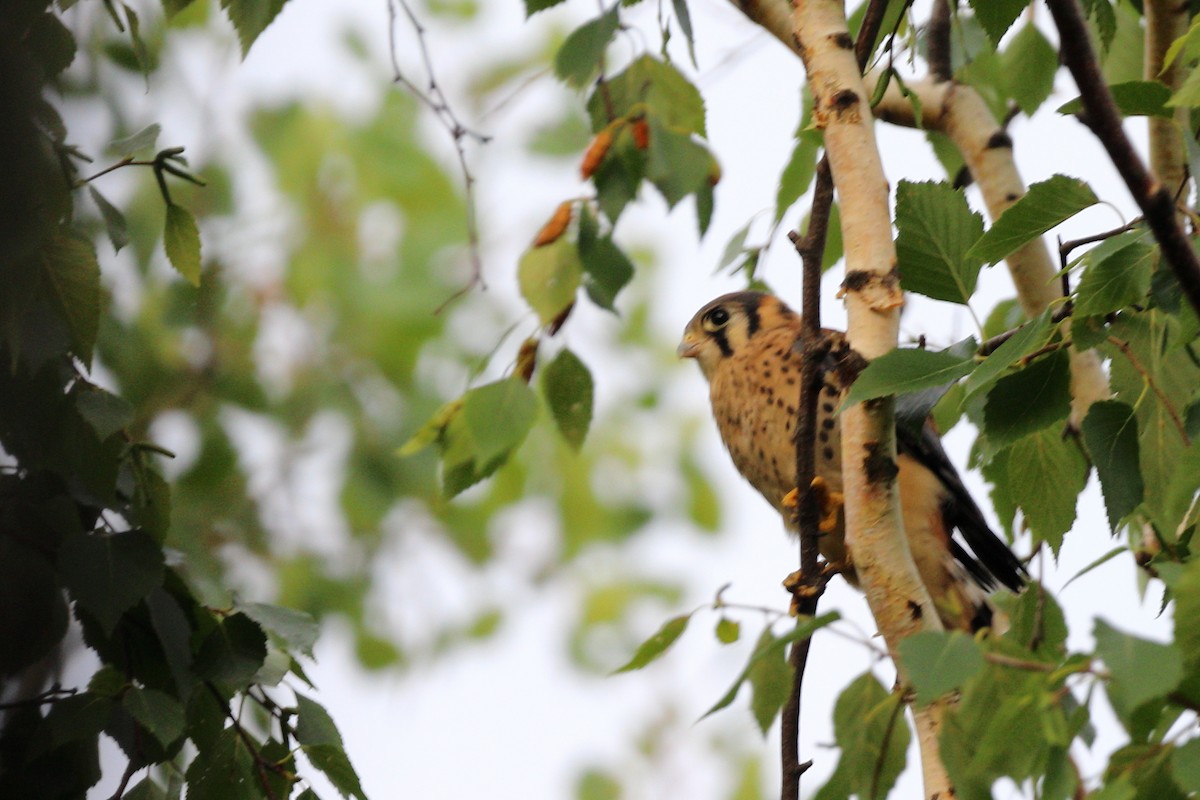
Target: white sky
{"type": "Point", "coordinates": [511, 717]}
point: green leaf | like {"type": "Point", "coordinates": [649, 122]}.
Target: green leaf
{"type": "Point", "coordinates": [1029, 400]}
{"type": "Point", "coordinates": [105, 412]}
{"type": "Point", "coordinates": [937, 662]}
{"type": "Point", "coordinates": [114, 220]}
{"type": "Point", "coordinates": [997, 16]}
{"type": "Point", "coordinates": [684, 17]}
{"type": "Point", "coordinates": [70, 278]}
{"type": "Point", "coordinates": [224, 771]}
{"type": "Point", "coordinates": [250, 18]}
{"type": "Point", "coordinates": [142, 140]}
{"type": "Point", "coordinates": [181, 239]}
{"type": "Point", "coordinates": [499, 416]}
{"type": "Point", "coordinates": [534, 6]}
{"type": "Point", "coordinates": [334, 762]}
{"type": "Point", "coordinates": [1110, 432]}
{"type": "Point", "coordinates": [581, 54]}
{"type": "Point", "coordinates": [1042, 475]}
{"type": "Point", "coordinates": [157, 712]}
{"type": "Point", "coordinates": [797, 176]}
{"type": "Point", "coordinates": [136, 42]}
{"type": "Point", "coordinates": [907, 370]}
{"type": "Point", "coordinates": [108, 573]}
{"type": "Point", "coordinates": [805, 627]}
{"type": "Point", "coordinates": [1047, 204]}
{"type": "Point", "coordinates": [728, 631]}
{"type": "Point", "coordinates": [297, 629]}
{"type": "Point", "coordinates": [51, 43]}
{"type": "Point", "coordinates": [869, 726]}
{"type": "Point", "coordinates": [936, 231]}
{"type": "Point", "coordinates": [232, 652]}
{"type": "Point", "coordinates": [656, 645]}
{"type": "Point", "coordinates": [660, 86]}
{"type": "Point", "coordinates": [1030, 63]}
{"type": "Point", "coordinates": [1185, 766]}
{"type": "Point", "coordinates": [1029, 337]}
{"type": "Point", "coordinates": [314, 725]}
{"type": "Point", "coordinates": [770, 679]}
{"type": "Point", "coordinates": [1187, 610]}
{"type": "Point", "coordinates": [606, 268]}
{"type": "Point", "coordinates": [1121, 279]}
{"type": "Point", "coordinates": [567, 387]}
{"type": "Point", "coordinates": [1133, 98]}
{"type": "Point", "coordinates": [675, 164]}
{"type": "Point", "coordinates": [1140, 670]}
{"type": "Point", "coordinates": [549, 277]}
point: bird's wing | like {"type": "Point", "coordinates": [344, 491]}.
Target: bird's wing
{"type": "Point", "coordinates": [990, 560]}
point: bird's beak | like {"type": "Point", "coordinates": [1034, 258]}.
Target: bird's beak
{"type": "Point", "coordinates": [689, 347]}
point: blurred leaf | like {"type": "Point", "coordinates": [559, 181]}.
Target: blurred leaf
{"type": "Point", "coordinates": [1140, 670]}
{"type": "Point", "coordinates": [1028, 400]}
{"type": "Point", "coordinates": [250, 18]}
{"type": "Point", "coordinates": [144, 139]}
{"type": "Point", "coordinates": [114, 220]}
{"type": "Point", "coordinates": [224, 771]}
{"type": "Point", "coordinates": [106, 413]}
{"type": "Point", "coordinates": [232, 652]}
{"type": "Point", "coordinates": [567, 387]}
{"type": "Point", "coordinates": [549, 277]}
{"type": "Point", "coordinates": [906, 370]}
{"type": "Point", "coordinates": [805, 627]}
{"type": "Point", "coordinates": [1047, 203]}
{"type": "Point", "coordinates": [582, 52]}
{"type": "Point", "coordinates": [333, 761]}
{"type": "Point", "coordinates": [1030, 63]}
{"type": "Point", "coordinates": [596, 785]}
{"type": "Point", "coordinates": [51, 43]}
{"type": "Point", "coordinates": [606, 268]}
{"type": "Point", "coordinates": [675, 164]}
{"type": "Point", "coordinates": [313, 723]}
{"type": "Point", "coordinates": [499, 416]}
{"type": "Point", "coordinates": [70, 277]}
{"type": "Point", "coordinates": [1185, 766]}
{"type": "Point", "coordinates": [1133, 98]}
{"type": "Point", "coordinates": [997, 16]}
{"type": "Point", "coordinates": [158, 713]}
{"type": "Point", "coordinates": [296, 629]}
{"type": "Point", "coordinates": [770, 679]}
{"type": "Point", "coordinates": [868, 723]}
{"type": "Point", "coordinates": [936, 232]}
{"type": "Point", "coordinates": [181, 238]}
{"type": "Point", "coordinates": [1110, 432]}
{"type": "Point", "coordinates": [658, 644]}
{"type": "Point", "coordinates": [107, 573]}
{"type": "Point", "coordinates": [534, 6]}
{"type": "Point", "coordinates": [797, 174]}
{"type": "Point", "coordinates": [659, 86]}
{"type": "Point", "coordinates": [939, 661]}
{"type": "Point", "coordinates": [1187, 606]}
{"type": "Point", "coordinates": [728, 630]}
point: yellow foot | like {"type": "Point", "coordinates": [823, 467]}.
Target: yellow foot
{"type": "Point", "coordinates": [830, 503]}
{"type": "Point", "coordinates": [791, 499]}
{"type": "Point", "coordinates": [801, 588]}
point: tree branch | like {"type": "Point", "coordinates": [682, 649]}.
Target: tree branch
{"type": "Point", "coordinates": [874, 530]}
{"type": "Point", "coordinates": [1102, 116]}
{"type": "Point", "coordinates": [1166, 21]}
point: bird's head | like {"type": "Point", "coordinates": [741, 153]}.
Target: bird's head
{"type": "Point", "coordinates": [727, 323]}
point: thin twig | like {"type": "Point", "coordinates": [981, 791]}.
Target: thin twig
{"type": "Point", "coordinates": [130, 769]}
{"type": "Point", "coordinates": [877, 773]}
{"type": "Point", "coordinates": [1104, 119]}
{"type": "Point", "coordinates": [435, 99]}
{"type": "Point", "coordinates": [1124, 347]}
{"type": "Point", "coordinates": [1065, 248]}
{"type": "Point", "coordinates": [814, 346]}
{"type": "Point", "coordinates": [52, 695]}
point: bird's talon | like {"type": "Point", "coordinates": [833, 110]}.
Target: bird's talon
{"type": "Point", "coordinates": [791, 499]}
{"type": "Point", "coordinates": [830, 503]}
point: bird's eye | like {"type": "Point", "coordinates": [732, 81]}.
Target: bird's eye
{"type": "Point", "coordinates": [716, 319]}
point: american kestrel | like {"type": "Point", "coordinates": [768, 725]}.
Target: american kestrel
{"type": "Point", "coordinates": [747, 345]}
